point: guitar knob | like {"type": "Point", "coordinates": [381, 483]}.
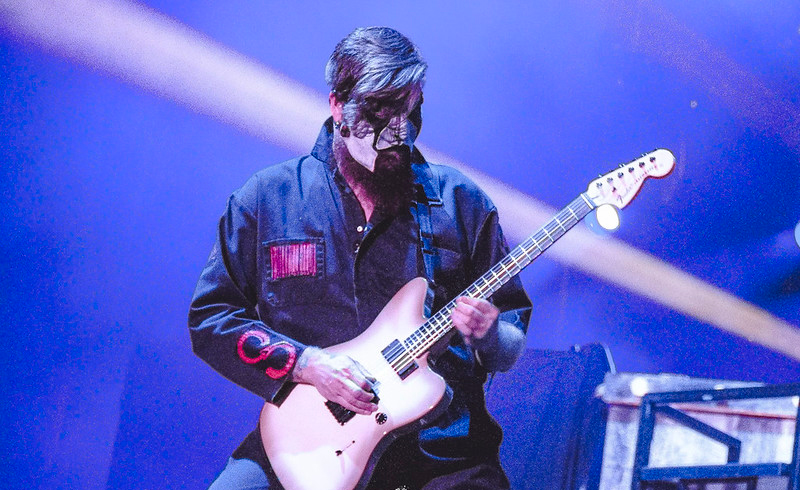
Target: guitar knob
{"type": "Point", "coordinates": [381, 418]}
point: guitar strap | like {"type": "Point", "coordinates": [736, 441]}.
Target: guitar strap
{"type": "Point", "coordinates": [426, 196]}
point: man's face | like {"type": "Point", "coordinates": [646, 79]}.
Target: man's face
{"type": "Point", "coordinates": [377, 152]}
{"type": "Point", "coordinates": [393, 120]}
{"type": "Point", "coordinates": [384, 124]}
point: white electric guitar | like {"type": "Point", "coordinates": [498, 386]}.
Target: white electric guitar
{"type": "Point", "coordinates": [315, 444]}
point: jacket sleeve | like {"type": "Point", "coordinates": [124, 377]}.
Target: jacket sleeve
{"type": "Point", "coordinates": [224, 324]}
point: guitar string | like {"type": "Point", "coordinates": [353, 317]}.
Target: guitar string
{"type": "Point", "coordinates": [438, 325]}
{"type": "Point", "coordinates": [508, 267]}
{"type": "Point", "coordinates": [519, 258]}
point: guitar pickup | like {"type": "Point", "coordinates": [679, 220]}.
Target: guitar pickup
{"type": "Point", "coordinates": [405, 371]}
{"type": "Point", "coordinates": [395, 353]}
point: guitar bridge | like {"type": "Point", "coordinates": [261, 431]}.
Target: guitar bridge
{"type": "Point", "coordinates": [341, 414]}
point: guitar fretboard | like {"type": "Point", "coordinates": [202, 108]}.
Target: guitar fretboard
{"type": "Point", "coordinates": [440, 324]}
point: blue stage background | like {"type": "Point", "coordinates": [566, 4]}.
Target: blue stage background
{"type": "Point", "coordinates": [111, 196]}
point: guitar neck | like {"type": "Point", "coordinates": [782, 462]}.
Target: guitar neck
{"type": "Point", "coordinates": [526, 252]}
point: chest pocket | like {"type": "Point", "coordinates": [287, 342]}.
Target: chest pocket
{"type": "Point", "coordinates": [450, 276]}
{"type": "Point", "coordinates": [450, 259]}
{"type": "Point", "coordinates": [294, 271]}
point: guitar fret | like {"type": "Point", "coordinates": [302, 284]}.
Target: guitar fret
{"type": "Point", "coordinates": [573, 214]}
{"type": "Point", "coordinates": [430, 339]}
{"type": "Point", "coordinates": [493, 273]}
{"type": "Point", "coordinates": [528, 257]}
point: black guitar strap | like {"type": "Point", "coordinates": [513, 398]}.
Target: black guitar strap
{"type": "Point", "coordinates": [427, 196]}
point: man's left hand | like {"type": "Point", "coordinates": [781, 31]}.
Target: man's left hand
{"type": "Point", "coordinates": [475, 319]}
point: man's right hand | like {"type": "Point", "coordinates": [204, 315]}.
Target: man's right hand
{"type": "Point", "coordinates": [338, 378]}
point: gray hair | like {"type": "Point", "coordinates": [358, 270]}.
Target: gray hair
{"type": "Point", "coordinates": [373, 62]}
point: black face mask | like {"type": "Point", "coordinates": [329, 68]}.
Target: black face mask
{"type": "Point", "coordinates": [399, 131]}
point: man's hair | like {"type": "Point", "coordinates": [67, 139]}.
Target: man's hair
{"type": "Point", "coordinates": [373, 62]}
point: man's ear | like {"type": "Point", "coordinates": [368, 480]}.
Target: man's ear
{"type": "Point", "coordinates": [336, 107]}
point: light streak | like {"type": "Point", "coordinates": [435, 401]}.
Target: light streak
{"type": "Point", "coordinates": [151, 51]}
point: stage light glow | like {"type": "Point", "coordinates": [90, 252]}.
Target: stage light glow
{"type": "Point", "coordinates": [797, 234]}
{"type": "Point", "coordinates": [608, 217]}
{"type": "Point", "coordinates": [639, 386]}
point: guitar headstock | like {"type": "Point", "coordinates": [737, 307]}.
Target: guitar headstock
{"type": "Point", "coordinates": [620, 186]}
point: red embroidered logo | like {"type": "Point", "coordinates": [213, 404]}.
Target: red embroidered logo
{"type": "Point", "coordinates": [293, 259]}
{"type": "Point", "coordinates": [254, 347]}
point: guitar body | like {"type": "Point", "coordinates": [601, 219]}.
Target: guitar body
{"type": "Point", "coordinates": [306, 445]}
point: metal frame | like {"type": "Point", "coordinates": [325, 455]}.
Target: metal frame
{"type": "Point", "coordinates": [733, 471]}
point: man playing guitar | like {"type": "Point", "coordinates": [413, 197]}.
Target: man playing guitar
{"type": "Point", "coordinates": [308, 254]}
